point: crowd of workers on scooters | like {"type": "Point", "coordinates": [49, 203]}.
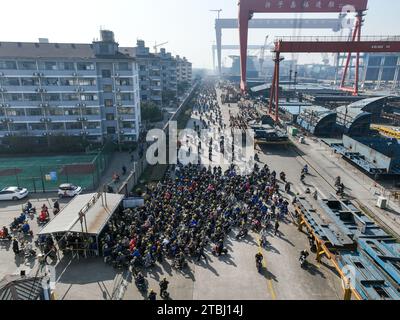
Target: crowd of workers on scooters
{"type": "Point", "coordinates": [191, 212]}
{"type": "Point", "coordinates": [20, 232]}
{"type": "Point", "coordinates": [184, 215]}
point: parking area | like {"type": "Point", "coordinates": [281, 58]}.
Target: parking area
{"type": "Point", "coordinates": [9, 210]}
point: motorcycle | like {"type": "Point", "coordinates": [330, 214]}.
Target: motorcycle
{"type": "Point", "coordinates": [164, 294]}
{"type": "Point", "coordinates": [178, 264]}
{"type": "Point", "coordinates": [242, 234]}
{"type": "Point", "coordinates": [140, 283]}
{"type": "Point", "coordinates": [263, 241]}
{"type": "Point", "coordinates": [215, 251]}
{"type": "Point", "coordinates": [259, 263]}
{"type": "Point", "coordinates": [42, 222]}
{"type": "Point", "coordinates": [303, 259]}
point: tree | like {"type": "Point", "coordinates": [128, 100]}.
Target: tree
{"type": "Point", "coordinates": [182, 86]}
{"type": "Point", "coordinates": [168, 96]}
{"type": "Point", "coordinates": [150, 112]}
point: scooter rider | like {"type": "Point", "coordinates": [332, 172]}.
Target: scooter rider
{"type": "Point", "coordinates": [304, 254]}
{"type": "Point", "coordinates": [152, 295]}
{"type": "Point", "coordinates": [259, 258]}
{"type": "Point", "coordinates": [338, 181]}
{"type": "Point", "coordinates": [163, 286]}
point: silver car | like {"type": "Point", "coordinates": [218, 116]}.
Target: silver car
{"type": "Point", "coordinates": [13, 193]}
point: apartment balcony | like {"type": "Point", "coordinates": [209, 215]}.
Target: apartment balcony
{"type": "Point", "coordinates": [121, 74]}
{"type": "Point", "coordinates": [76, 104]}
{"type": "Point", "coordinates": [127, 132]}
{"type": "Point", "coordinates": [84, 73]}
{"type": "Point", "coordinates": [155, 78]}
{"type": "Point", "coordinates": [156, 88]}
{"type": "Point", "coordinates": [125, 89]}
{"type": "Point", "coordinates": [58, 73]}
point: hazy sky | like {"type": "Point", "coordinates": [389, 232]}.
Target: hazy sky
{"type": "Point", "coordinates": [188, 25]}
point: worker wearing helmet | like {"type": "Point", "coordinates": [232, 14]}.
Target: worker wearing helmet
{"type": "Point", "coordinates": [152, 295]}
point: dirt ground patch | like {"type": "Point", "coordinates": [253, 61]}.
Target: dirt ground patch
{"type": "Point", "coordinates": [9, 172]}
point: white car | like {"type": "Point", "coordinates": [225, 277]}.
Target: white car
{"type": "Point", "coordinates": [13, 193]}
{"type": "Point", "coordinates": [68, 190]}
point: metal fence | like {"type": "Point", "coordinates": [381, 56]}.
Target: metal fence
{"type": "Point", "coordinates": [45, 174]}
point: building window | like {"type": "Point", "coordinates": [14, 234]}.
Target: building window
{"type": "Point", "coordinates": [87, 82]}
{"type": "Point", "coordinates": [126, 110]}
{"type": "Point", "coordinates": [8, 65]}
{"type": "Point", "coordinates": [124, 66]}
{"type": "Point", "coordinates": [49, 65]}
{"type": "Point", "coordinates": [106, 73]}
{"type": "Point", "coordinates": [29, 81]}
{"type": "Point", "coordinates": [70, 97]}
{"type": "Point", "coordinates": [124, 97]}
{"type": "Point", "coordinates": [89, 97]}
{"type": "Point", "coordinates": [85, 66]}
{"type": "Point", "coordinates": [93, 125]}
{"type": "Point", "coordinates": [91, 111]}
{"type": "Point", "coordinates": [11, 81]}
{"type": "Point", "coordinates": [111, 130]}
{"type": "Point", "coordinates": [27, 65]}
{"type": "Point", "coordinates": [124, 82]}
{"type": "Point", "coordinates": [56, 112]}
{"type": "Point", "coordinates": [71, 112]}
{"type": "Point", "coordinates": [13, 97]}
{"type": "Point", "coordinates": [17, 112]}
{"type": "Point", "coordinates": [108, 102]}
{"type": "Point", "coordinates": [52, 97]}
{"type": "Point", "coordinates": [67, 66]}
{"type": "Point", "coordinates": [68, 82]}
{"type": "Point", "coordinates": [110, 117]}
{"type": "Point", "coordinates": [34, 112]}
{"type": "Point", "coordinates": [37, 126]}
{"type": "Point", "coordinates": [56, 126]}
{"type": "Point", "coordinates": [51, 82]}
{"type": "Point", "coordinates": [107, 88]}
{"type": "Point", "coordinates": [32, 97]}
{"type": "Point", "coordinates": [74, 126]}
{"type": "Point", "coordinates": [128, 125]}
{"type": "Point", "coordinates": [19, 127]}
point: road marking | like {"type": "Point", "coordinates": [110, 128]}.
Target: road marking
{"type": "Point", "coordinates": [264, 264]}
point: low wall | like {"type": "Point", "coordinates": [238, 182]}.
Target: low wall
{"type": "Point", "coordinates": [141, 165]}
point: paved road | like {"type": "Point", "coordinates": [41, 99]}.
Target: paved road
{"type": "Point", "coordinates": [235, 276]}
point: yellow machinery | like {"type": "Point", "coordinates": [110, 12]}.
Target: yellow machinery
{"type": "Point", "coordinates": [322, 250]}
{"type": "Point", "coordinates": [387, 131]}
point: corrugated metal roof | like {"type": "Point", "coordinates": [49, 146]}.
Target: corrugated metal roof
{"type": "Point", "coordinates": [365, 102]}
{"type": "Point", "coordinates": [96, 215]}
{"type": "Point", "coordinates": [15, 287]}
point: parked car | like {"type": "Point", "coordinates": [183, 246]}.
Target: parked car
{"type": "Point", "coordinates": [68, 190]}
{"type": "Point", "coordinates": [13, 193]}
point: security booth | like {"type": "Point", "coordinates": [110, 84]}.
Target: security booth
{"type": "Point", "coordinates": [76, 229]}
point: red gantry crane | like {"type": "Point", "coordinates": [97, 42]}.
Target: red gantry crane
{"type": "Point", "coordinates": [327, 45]}
{"type": "Point", "coordinates": [248, 7]}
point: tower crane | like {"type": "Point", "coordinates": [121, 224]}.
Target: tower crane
{"type": "Point", "coordinates": [158, 45]}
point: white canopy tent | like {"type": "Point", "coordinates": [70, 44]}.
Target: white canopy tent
{"type": "Point", "coordinates": [95, 209]}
